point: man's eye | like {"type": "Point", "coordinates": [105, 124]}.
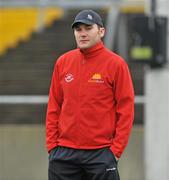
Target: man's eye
{"type": "Point", "coordinates": [77, 29]}
{"type": "Point", "coordinates": [89, 27]}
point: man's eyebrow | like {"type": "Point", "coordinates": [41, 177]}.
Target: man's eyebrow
{"type": "Point", "coordinates": [87, 25]}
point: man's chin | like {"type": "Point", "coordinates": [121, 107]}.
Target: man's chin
{"type": "Point", "coordinates": [83, 47]}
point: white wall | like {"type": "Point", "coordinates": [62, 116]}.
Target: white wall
{"type": "Point", "coordinates": [23, 154]}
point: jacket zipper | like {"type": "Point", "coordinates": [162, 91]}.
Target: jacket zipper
{"type": "Point", "coordinates": [79, 99]}
{"type": "Point", "coordinates": [83, 60]}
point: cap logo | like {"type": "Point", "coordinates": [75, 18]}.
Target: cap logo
{"type": "Point", "coordinates": [89, 17]}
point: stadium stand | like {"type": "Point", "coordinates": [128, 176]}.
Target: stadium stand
{"type": "Point", "coordinates": [27, 69]}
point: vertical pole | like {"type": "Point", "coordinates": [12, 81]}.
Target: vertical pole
{"type": "Point", "coordinates": [153, 7]}
{"type": "Point", "coordinates": [157, 114]}
{"type": "Point", "coordinates": [41, 15]}
{"type": "Point", "coordinates": [111, 25]}
{"type": "Point", "coordinates": [157, 125]}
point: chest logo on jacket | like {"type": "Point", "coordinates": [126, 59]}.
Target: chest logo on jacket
{"type": "Point", "coordinates": [69, 78]}
{"type": "Point", "coordinates": [96, 78]}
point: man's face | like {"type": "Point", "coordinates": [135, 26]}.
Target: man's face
{"type": "Point", "coordinates": [88, 35]}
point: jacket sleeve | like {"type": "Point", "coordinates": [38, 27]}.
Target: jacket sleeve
{"type": "Point", "coordinates": [124, 98]}
{"type": "Point", "coordinates": [53, 110]}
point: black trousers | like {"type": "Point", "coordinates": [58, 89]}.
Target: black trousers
{"type": "Point", "coordinates": [72, 164]}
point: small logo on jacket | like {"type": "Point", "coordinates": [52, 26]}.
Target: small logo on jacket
{"type": "Point", "coordinates": [69, 78]}
{"type": "Point", "coordinates": [96, 78]}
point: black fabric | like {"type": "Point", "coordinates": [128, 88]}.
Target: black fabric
{"type": "Point", "coordinates": [72, 164]}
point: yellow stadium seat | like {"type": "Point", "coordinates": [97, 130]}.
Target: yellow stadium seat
{"type": "Point", "coordinates": [18, 24]}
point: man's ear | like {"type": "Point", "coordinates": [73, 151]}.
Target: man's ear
{"type": "Point", "coordinates": [102, 32]}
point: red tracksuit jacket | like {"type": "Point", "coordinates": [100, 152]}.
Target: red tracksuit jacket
{"type": "Point", "coordinates": [91, 101]}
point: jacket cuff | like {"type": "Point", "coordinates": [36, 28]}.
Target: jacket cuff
{"type": "Point", "coordinates": [49, 148]}
{"type": "Point", "coordinates": [115, 152]}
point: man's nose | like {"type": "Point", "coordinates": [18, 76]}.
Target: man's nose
{"type": "Point", "coordinates": [83, 33]}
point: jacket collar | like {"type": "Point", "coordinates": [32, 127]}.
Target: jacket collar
{"type": "Point", "coordinates": [93, 51]}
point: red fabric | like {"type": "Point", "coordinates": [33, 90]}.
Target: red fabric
{"type": "Point", "coordinates": [91, 101]}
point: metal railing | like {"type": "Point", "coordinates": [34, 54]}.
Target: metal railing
{"type": "Point", "coordinates": [41, 99]}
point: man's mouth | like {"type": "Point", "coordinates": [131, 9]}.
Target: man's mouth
{"type": "Point", "coordinates": [84, 41]}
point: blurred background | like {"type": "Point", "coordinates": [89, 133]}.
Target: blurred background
{"type": "Point", "coordinates": [34, 33]}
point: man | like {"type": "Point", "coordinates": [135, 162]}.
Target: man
{"type": "Point", "coordinates": [90, 109]}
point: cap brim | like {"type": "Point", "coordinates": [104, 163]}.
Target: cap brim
{"type": "Point", "coordinates": [81, 21]}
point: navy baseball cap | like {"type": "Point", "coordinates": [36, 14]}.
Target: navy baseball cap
{"type": "Point", "coordinates": [88, 17]}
